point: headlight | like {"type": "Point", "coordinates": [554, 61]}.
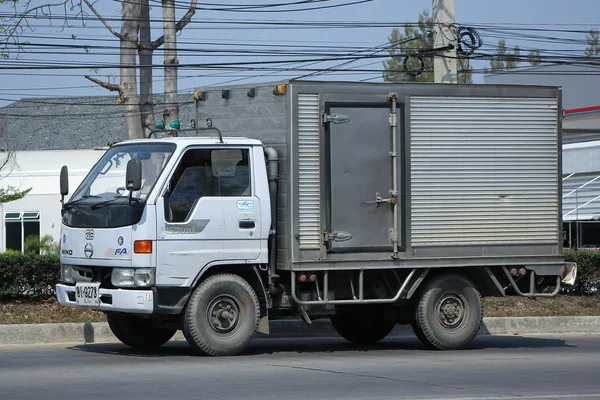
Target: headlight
{"type": "Point", "coordinates": [130, 277]}
{"type": "Point", "coordinates": [66, 273]}
{"type": "Point", "coordinates": [144, 277]}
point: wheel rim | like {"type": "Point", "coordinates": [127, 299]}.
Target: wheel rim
{"type": "Point", "coordinates": [224, 314]}
{"type": "Point", "coordinates": [452, 312]}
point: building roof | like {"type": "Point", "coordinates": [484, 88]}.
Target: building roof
{"type": "Point", "coordinates": [580, 83]}
{"type": "Point", "coordinates": [71, 122]}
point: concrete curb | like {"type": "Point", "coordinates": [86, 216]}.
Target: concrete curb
{"type": "Point", "coordinates": [86, 333]}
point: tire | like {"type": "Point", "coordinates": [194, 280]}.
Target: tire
{"type": "Point", "coordinates": [364, 327]}
{"type": "Point", "coordinates": [448, 313]}
{"type": "Point", "coordinates": [136, 332]}
{"type": "Point", "coordinates": [210, 327]}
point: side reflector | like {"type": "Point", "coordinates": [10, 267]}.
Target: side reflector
{"type": "Point", "coordinates": [280, 90]}
{"type": "Point", "coordinates": [142, 246]}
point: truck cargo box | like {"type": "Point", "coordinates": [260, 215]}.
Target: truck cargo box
{"type": "Point", "coordinates": [406, 175]}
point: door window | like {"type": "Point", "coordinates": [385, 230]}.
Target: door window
{"type": "Point", "coordinates": [207, 173]}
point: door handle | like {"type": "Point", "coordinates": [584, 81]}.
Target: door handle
{"type": "Point", "coordinates": [246, 224]}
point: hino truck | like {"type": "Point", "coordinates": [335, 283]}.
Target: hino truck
{"type": "Point", "coordinates": [369, 204]}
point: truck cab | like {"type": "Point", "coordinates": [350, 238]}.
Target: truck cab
{"type": "Point", "coordinates": [129, 250]}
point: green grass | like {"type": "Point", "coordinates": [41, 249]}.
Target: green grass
{"type": "Point", "coordinates": [49, 311]}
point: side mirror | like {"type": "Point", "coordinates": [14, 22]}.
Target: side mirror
{"type": "Point", "coordinates": [64, 181]}
{"type": "Point", "coordinates": [133, 177]}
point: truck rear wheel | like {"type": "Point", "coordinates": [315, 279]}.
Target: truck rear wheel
{"type": "Point", "coordinates": [222, 315]}
{"type": "Point", "coordinates": [363, 326]}
{"type": "Point", "coordinates": [449, 312]}
{"type": "Point", "coordinates": [137, 332]}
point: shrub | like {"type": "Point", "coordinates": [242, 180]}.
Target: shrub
{"type": "Point", "coordinates": [45, 245]}
{"type": "Point", "coordinates": [28, 276]}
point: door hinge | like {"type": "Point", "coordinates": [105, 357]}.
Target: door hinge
{"type": "Point", "coordinates": [335, 118]}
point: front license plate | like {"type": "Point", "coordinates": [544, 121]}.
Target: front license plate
{"type": "Point", "coordinates": [87, 294]}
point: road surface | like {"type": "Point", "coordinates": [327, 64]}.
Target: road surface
{"type": "Point", "coordinates": [307, 369]}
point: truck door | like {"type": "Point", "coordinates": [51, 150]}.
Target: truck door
{"type": "Point", "coordinates": [359, 147]}
{"type": "Point", "coordinates": [208, 213]}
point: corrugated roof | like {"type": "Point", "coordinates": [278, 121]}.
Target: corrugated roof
{"type": "Point", "coordinates": [72, 122]}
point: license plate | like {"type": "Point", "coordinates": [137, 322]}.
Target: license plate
{"type": "Point", "coordinates": [87, 294]}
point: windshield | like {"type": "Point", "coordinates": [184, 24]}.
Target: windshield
{"type": "Point", "coordinates": [106, 181]}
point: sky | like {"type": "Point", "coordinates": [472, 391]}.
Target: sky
{"type": "Point", "coordinates": [551, 25]}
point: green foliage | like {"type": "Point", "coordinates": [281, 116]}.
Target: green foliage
{"type": "Point", "coordinates": [593, 41]}
{"type": "Point", "coordinates": [11, 193]}
{"type": "Point", "coordinates": [412, 41]}
{"type": "Point", "coordinates": [45, 245]}
{"type": "Point", "coordinates": [534, 57]}
{"type": "Point", "coordinates": [28, 276]}
{"type": "Point", "coordinates": [505, 60]}
{"type": "Point", "coordinates": [588, 271]}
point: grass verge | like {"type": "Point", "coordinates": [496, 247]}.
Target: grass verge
{"type": "Point", "coordinates": [49, 311]}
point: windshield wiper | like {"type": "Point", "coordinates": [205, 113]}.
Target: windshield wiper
{"type": "Point", "coordinates": [103, 203]}
{"type": "Point", "coordinates": [75, 202]}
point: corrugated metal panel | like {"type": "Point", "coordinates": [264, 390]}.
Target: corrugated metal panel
{"type": "Point", "coordinates": [483, 170]}
{"type": "Point", "coordinates": [581, 159]}
{"type": "Point", "coordinates": [308, 172]}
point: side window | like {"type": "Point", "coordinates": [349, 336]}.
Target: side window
{"type": "Point", "coordinates": [207, 172]}
{"type": "Point", "coordinates": [232, 170]}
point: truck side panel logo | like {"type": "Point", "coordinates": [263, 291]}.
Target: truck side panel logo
{"type": "Point", "coordinates": [89, 234]}
{"type": "Point", "coordinates": [245, 205]}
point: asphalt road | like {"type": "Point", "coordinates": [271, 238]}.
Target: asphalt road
{"type": "Point", "coordinates": [307, 369]}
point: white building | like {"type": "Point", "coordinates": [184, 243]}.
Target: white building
{"type": "Point", "coordinates": [38, 213]}
{"type": "Point", "coordinates": [44, 134]}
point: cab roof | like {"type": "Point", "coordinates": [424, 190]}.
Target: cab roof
{"type": "Point", "coordinates": [201, 140]}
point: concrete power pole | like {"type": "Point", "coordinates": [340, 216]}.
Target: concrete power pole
{"type": "Point", "coordinates": [444, 64]}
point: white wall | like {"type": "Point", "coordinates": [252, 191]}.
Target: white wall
{"type": "Point", "coordinates": [40, 170]}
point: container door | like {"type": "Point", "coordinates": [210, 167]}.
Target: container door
{"type": "Point", "coordinates": [361, 214]}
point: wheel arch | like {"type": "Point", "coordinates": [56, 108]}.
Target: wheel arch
{"type": "Point", "coordinates": [254, 274]}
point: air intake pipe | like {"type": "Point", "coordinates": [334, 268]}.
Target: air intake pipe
{"type": "Point", "coordinates": [273, 177]}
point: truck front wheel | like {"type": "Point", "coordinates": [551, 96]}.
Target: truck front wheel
{"type": "Point", "coordinates": [363, 326]}
{"type": "Point", "coordinates": [448, 313]}
{"type": "Point", "coordinates": [139, 333]}
{"type": "Point", "coordinates": [222, 315]}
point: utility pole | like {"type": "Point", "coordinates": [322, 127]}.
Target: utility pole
{"type": "Point", "coordinates": [444, 63]}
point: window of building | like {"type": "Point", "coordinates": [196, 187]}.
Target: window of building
{"type": "Point", "coordinates": [17, 226]}
{"type": "Point", "coordinates": [207, 172]}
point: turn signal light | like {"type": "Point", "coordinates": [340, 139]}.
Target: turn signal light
{"type": "Point", "coordinates": [142, 246]}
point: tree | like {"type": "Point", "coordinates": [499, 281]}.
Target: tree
{"type": "Point", "coordinates": [138, 21]}
{"type": "Point", "coordinates": [504, 60]}
{"type": "Point", "coordinates": [534, 57]}
{"type": "Point", "coordinates": [135, 41]}
{"type": "Point", "coordinates": [593, 41]}
{"type": "Point", "coordinates": [410, 53]}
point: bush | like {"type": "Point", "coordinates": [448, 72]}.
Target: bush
{"type": "Point", "coordinates": [28, 276]}
{"type": "Point", "coordinates": [588, 272]}
{"type": "Point", "coordinates": [45, 245]}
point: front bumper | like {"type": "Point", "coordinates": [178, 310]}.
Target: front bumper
{"type": "Point", "coordinates": [122, 300]}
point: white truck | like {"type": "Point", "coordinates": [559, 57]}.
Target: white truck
{"type": "Point", "coordinates": [366, 203]}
